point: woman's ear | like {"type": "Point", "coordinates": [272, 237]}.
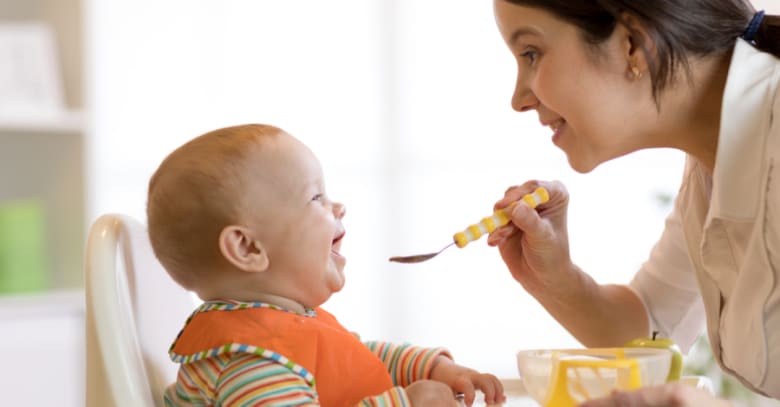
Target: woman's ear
{"type": "Point", "coordinates": [638, 46]}
{"type": "Point", "coordinates": [241, 249]}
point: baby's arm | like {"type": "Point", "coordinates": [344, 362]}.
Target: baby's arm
{"type": "Point", "coordinates": [406, 363]}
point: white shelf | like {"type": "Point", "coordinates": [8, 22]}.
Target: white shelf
{"type": "Point", "coordinates": [42, 155]}
{"type": "Point", "coordinates": [42, 304]}
{"type": "Point", "coordinates": [71, 121]}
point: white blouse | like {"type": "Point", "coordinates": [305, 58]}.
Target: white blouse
{"type": "Point", "coordinates": [718, 260]}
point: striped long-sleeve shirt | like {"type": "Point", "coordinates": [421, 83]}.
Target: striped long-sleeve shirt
{"type": "Point", "coordinates": [241, 379]}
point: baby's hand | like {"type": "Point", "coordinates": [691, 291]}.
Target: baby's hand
{"type": "Point", "coordinates": [466, 381]}
{"type": "Point", "coordinates": [428, 393]}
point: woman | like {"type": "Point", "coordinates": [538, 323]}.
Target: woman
{"type": "Point", "coordinates": [611, 77]}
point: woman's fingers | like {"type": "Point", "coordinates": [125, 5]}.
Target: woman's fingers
{"type": "Point", "coordinates": [499, 235]}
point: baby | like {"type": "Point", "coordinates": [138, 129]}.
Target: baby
{"type": "Point", "coordinates": [240, 216]}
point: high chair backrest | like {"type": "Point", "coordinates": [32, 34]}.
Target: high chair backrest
{"type": "Point", "coordinates": [134, 312]}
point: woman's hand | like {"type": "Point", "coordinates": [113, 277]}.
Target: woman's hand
{"type": "Point", "coordinates": [668, 395]}
{"type": "Point", "coordinates": [535, 244]}
{"type": "Point", "coordinates": [466, 381]}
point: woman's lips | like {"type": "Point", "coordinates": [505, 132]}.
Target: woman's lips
{"type": "Point", "coordinates": [558, 127]}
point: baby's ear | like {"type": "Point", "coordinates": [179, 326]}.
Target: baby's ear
{"type": "Point", "coordinates": [242, 250]}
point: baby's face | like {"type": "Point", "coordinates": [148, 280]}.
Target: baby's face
{"type": "Point", "coordinates": [298, 224]}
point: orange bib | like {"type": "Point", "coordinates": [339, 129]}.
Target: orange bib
{"type": "Point", "coordinates": [317, 347]}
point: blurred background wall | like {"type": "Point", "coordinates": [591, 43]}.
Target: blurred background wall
{"type": "Point", "coordinates": [407, 104]}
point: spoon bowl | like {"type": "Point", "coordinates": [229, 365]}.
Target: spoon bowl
{"type": "Point", "coordinates": [418, 258]}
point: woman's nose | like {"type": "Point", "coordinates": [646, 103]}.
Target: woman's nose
{"type": "Point", "coordinates": [339, 210]}
{"type": "Point", "coordinates": [523, 99]}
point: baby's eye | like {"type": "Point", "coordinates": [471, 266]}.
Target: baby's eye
{"type": "Point", "coordinates": [318, 197]}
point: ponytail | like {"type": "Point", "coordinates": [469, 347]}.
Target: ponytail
{"type": "Point", "coordinates": [767, 36]}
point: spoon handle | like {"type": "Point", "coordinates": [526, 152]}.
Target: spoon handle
{"type": "Point", "coordinates": [497, 219]}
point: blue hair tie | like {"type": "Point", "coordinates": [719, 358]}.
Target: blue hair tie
{"type": "Point", "coordinates": [750, 33]}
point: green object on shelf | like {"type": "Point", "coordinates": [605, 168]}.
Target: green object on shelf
{"type": "Point", "coordinates": [23, 262]}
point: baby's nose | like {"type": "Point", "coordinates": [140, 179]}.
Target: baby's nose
{"type": "Point", "coordinates": [339, 210]}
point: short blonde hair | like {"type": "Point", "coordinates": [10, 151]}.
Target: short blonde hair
{"type": "Point", "coordinates": [195, 193]}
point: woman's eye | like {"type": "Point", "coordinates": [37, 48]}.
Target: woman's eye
{"type": "Point", "coordinates": [530, 54]}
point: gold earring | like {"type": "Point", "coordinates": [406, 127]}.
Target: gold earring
{"type": "Point", "coordinates": [636, 72]}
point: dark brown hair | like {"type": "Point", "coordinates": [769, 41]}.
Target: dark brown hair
{"type": "Point", "coordinates": [679, 28]}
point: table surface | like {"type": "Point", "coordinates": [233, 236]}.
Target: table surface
{"type": "Point", "coordinates": [516, 396]}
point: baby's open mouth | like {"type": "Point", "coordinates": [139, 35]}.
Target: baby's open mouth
{"type": "Point", "coordinates": [335, 245]}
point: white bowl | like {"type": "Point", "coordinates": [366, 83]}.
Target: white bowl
{"type": "Point", "coordinates": [585, 383]}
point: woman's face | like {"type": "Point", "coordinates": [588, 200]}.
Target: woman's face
{"type": "Point", "coordinates": [584, 93]}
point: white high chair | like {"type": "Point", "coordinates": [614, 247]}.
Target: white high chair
{"type": "Point", "coordinates": [134, 312]}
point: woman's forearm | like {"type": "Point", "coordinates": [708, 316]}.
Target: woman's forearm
{"type": "Point", "coordinates": [597, 315]}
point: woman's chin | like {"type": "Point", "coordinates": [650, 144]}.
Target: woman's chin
{"type": "Point", "coordinates": [581, 166]}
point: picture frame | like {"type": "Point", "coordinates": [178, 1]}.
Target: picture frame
{"type": "Point", "coordinates": [30, 76]}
